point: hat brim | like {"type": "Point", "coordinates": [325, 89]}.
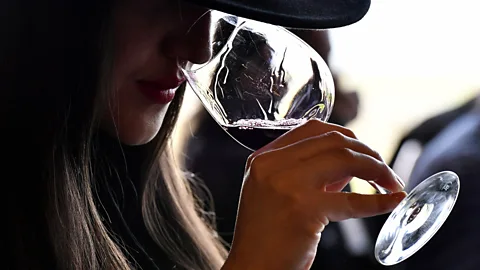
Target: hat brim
{"type": "Point", "coordinates": [309, 14]}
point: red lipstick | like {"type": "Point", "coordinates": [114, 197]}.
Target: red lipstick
{"type": "Point", "coordinates": [160, 91]}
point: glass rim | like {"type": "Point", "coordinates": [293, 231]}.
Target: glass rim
{"type": "Point", "coordinates": [239, 22]}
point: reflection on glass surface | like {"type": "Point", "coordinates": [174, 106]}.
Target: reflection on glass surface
{"type": "Point", "coordinates": [417, 218]}
{"type": "Point", "coordinates": [261, 76]}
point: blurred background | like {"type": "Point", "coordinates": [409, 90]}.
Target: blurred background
{"type": "Point", "coordinates": [409, 60]}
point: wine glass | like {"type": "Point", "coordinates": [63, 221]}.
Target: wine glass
{"type": "Point", "coordinates": [263, 81]}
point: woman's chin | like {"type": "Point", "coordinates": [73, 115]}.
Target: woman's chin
{"type": "Point", "coordinates": [133, 138]}
{"type": "Point", "coordinates": [138, 127]}
{"type": "Point", "coordinates": [132, 134]}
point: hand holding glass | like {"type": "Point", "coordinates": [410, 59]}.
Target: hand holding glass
{"type": "Point", "coordinates": [263, 81]}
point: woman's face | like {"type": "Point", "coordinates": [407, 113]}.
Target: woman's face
{"type": "Point", "coordinates": [149, 37]}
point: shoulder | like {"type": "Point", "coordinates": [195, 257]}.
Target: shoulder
{"type": "Point", "coordinates": [456, 148]}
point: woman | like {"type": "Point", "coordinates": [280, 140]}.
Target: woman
{"type": "Point", "coordinates": [88, 105]}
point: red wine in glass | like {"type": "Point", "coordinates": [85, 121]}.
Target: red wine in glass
{"type": "Point", "coordinates": [256, 133]}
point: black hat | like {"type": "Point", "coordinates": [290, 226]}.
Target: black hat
{"type": "Point", "coordinates": [312, 14]}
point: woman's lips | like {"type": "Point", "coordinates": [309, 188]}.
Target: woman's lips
{"type": "Point", "coordinates": [160, 91]}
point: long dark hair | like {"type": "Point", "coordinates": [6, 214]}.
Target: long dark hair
{"type": "Point", "coordinates": [55, 62]}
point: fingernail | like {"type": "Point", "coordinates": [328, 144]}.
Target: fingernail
{"type": "Point", "coordinates": [399, 196]}
{"type": "Point", "coordinates": [400, 181]}
{"type": "Point", "coordinates": [378, 188]}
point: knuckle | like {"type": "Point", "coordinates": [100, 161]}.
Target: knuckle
{"type": "Point", "coordinates": [250, 159]}
{"type": "Point", "coordinates": [335, 136]}
{"type": "Point", "coordinates": [348, 132]}
{"type": "Point", "coordinates": [379, 164]}
{"type": "Point", "coordinates": [256, 166]}
{"type": "Point", "coordinates": [346, 154]}
{"type": "Point", "coordinates": [314, 123]}
{"type": "Point", "coordinates": [376, 154]}
{"type": "Point", "coordinates": [259, 166]}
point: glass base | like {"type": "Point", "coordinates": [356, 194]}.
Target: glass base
{"type": "Point", "coordinates": [417, 218]}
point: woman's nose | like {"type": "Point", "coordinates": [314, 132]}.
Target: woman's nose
{"type": "Point", "coordinates": [191, 39]}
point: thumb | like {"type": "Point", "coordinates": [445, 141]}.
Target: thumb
{"type": "Point", "coordinates": [344, 205]}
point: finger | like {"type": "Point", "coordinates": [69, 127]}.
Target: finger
{"type": "Point", "coordinates": [331, 140]}
{"type": "Point", "coordinates": [343, 206]}
{"type": "Point", "coordinates": [291, 155]}
{"type": "Point", "coordinates": [286, 156]}
{"type": "Point", "coordinates": [337, 165]}
{"type": "Point", "coordinates": [338, 186]}
{"type": "Point", "coordinates": [318, 145]}
{"type": "Point", "coordinates": [309, 129]}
